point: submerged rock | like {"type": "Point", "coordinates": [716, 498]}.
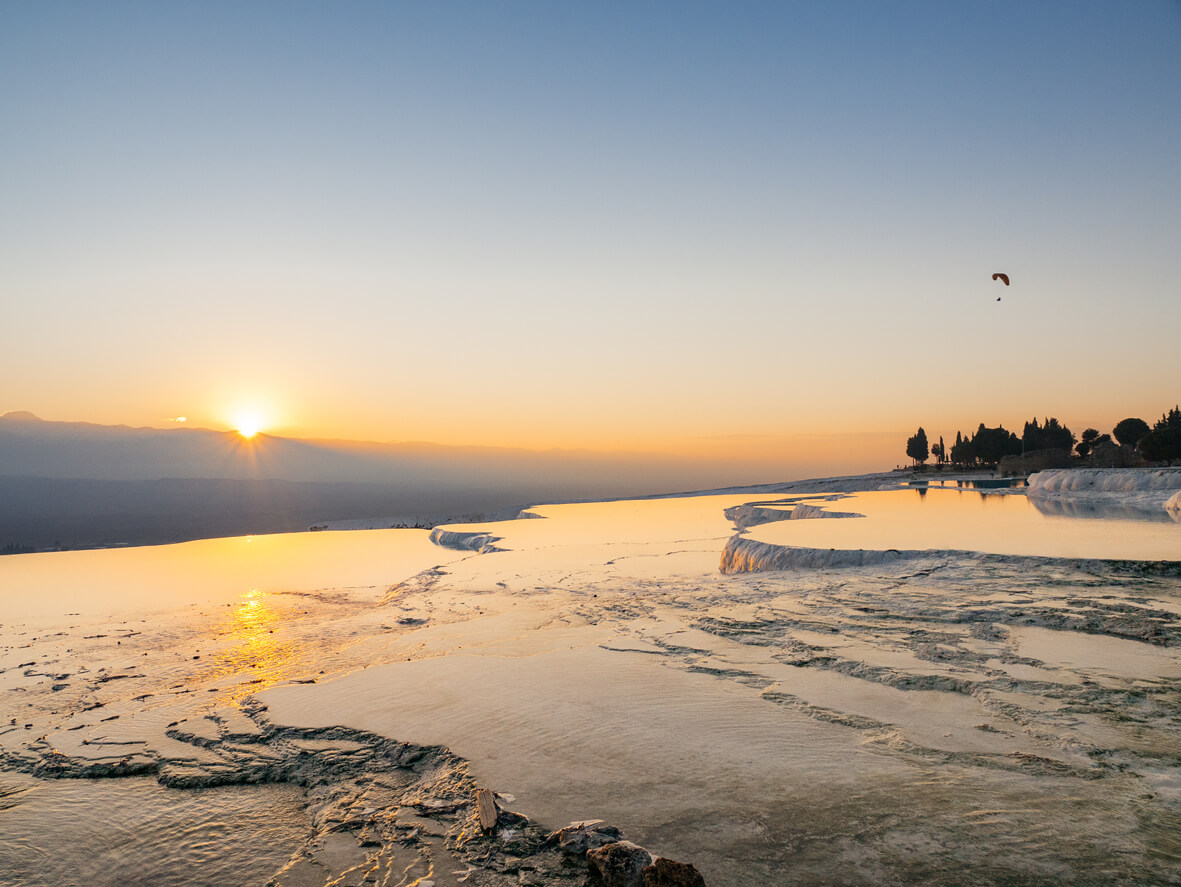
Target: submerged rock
{"type": "Point", "coordinates": [670, 873]}
{"type": "Point", "coordinates": [620, 864]}
{"type": "Point", "coordinates": [579, 837]}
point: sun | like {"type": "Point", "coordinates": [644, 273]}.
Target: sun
{"type": "Point", "coordinates": [248, 423]}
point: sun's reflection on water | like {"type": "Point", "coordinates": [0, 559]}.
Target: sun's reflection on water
{"type": "Point", "coordinates": [254, 652]}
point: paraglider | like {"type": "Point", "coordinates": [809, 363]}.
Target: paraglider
{"type": "Point", "coordinates": [1003, 278]}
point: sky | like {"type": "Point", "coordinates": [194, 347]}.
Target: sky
{"type": "Point", "coordinates": [738, 230]}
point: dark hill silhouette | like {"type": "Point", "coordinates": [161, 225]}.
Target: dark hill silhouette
{"type": "Point", "coordinates": [32, 447]}
{"type": "Point", "coordinates": [72, 484]}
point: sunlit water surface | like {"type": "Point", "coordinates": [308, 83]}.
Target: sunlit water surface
{"type": "Point", "coordinates": [188, 626]}
{"type": "Point", "coordinates": [58, 586]}
{"type": "Point", "coordinates": [954, 520]}
{"type": "Point", "coordinates": [566, 629]}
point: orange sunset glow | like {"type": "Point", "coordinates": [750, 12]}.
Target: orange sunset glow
{"type": "Point", "coordinates": [786, 279]}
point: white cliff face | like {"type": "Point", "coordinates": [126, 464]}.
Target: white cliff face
{"type": "Point", "coordinates": [1144, 489]}
{"type": "Point", "coordinates": [1105, 480]}
{"type": "Point", "coordinates": [805, 511]}
{"type": "Point", "coordinates": [744, 555]}
{"type": "Point", "coordinates": [478, 542]}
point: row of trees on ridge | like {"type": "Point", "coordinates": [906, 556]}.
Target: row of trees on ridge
{"type": "Point", "coordinates": [1160, 443]}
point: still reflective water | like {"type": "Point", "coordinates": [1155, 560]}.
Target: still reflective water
{"type": "Point", "coordinates": [107, 582]}
{"type": "Point", "coordinates": [947, 519]}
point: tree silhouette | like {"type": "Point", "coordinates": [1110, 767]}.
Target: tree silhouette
{"type": "Point", "coordinates": [1163, 442]}
{"type": "Point", "coordinates": [939, 451]}
{"type": "Point", "coordinates": [991, 444]}
{"type": "Point", "coordinates": [1051, 436]}
{"type": "Point", "coordinates": [917, 447]}
{"type": "Point", "coordinates": [1087, 441]}
{"type": "Point", "coordinates": [1031, 435]}
{"type": "Point", "coordinates": [963, 453]}
{"type": "Point", "coordinates": [1129, 431]}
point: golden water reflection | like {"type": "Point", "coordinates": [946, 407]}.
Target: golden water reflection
{"type": "Point", "coordinates": [146, 582]}
{"type": "Point", "coordinates": [254, 650]}
{"type": "Point", "coordinates": [945, 519]}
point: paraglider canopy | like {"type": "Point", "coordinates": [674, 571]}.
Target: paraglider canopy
{"type": "Point", "coordinates": [1003, 278]}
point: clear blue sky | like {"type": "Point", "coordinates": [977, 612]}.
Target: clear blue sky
{"type": "Point", "coordinates": [610, 224]}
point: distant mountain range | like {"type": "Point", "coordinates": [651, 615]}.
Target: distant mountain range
{"type": "Point", "coordinates": [33, 447]}
{"type": "Point", "coordinates": [73, 484]}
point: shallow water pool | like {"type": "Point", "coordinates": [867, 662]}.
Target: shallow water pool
{"type": "Point", "coordinates": [113, 832]}
{"type": "Point", "coordinates": [960, 520]}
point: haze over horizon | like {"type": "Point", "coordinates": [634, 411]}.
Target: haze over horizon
{"type": "Point", "coordinates": [763, 234]}
{"type": "Point", "coordinates": [32, 446]}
